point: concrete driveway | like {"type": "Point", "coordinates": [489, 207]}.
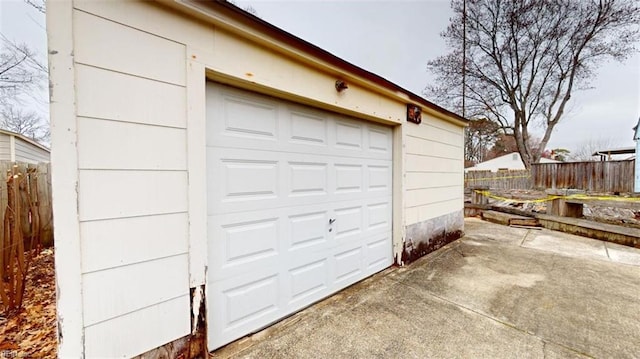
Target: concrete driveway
{"type": "Point", "coordinates": [499, 292]}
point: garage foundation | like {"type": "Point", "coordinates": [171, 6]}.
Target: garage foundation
{"type": "Point", "coordinates": [427, 236]}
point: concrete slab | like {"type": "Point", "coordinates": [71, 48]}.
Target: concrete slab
{"type": "Point", "coordinates": [623, 254]}
{"type": "Point", "coordinates": [486, 295]}
{"type": "Point", "coordinates": [566, 244]}
{"type": "Point", "coordinates": [479, 229]}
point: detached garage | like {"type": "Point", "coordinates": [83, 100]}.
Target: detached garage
{"type": "Point", "coordinates": [215, 174]}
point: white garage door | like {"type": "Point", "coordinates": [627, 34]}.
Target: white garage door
{"type": "Point", "coordinates": [299, 207]}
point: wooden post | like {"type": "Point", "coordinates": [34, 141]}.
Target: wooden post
{"type": "Point", "coordinates": [477, 197]}
{"type": "Point", "coordinates": [561, 207]}
{"type": "Point", "coordinates": [44, 205]}
{"type": "Point", "coordinates": [478, 201]}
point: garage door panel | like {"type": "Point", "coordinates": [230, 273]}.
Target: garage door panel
{"type": "Point", "coordinates": [348, 266]}
{"type": "Point", "coordinates": [245, 242]}
{"type": "Point", "coordinates": [378, 178]}
{"type": "Point", "coordinates": [348, 222]}
{"type": "Point", "coordinates": [378, 255]}
{"type": "Point", "coordinates": [245, 120]}
{"type": "Point", "coordinates": [308, 178]}
{"type": "Point", "coordinates": [249, 301]}
{"type": "Point", "coordinates": [308, 229]}
{"type": "Point", "coordinates": [378, 215]}
{"type": "Point", "coordinates": [250, 241]}
{"type": "Point", "coordinates": [299, 147]}
{"type": "Point", "coordinates": [240, 184]}
{"type": "Point", "coordinates": [251, 120]}
{"type": "Point", "coordinates": [379, 140]}
{"type": "Point", "coordinates": [242, 177]}
{"type": "Point", "coordinates": [348, 135]}
{"type": "Point", "coordinates": [348, 178]}
{"type": "Point", "coordinates": [307, 280]}
{"type": "Point", "coordinates": [239, 114]}
{"type": "Point", "coordinates": [245, 303]}
{"type": "Point", "coordinates": [243, 180]}
{"type": "Point", "coordinates": [299, 206]}
{"type": "Point", "coordinates": [308, 129]}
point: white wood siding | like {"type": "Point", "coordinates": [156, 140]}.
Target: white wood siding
{"type": "Point", "coordinates": [434, 169]}
{"type": "Point", "coordinates": [5, 147]}
{"type": "Point", "coordinates": [148, 327]}
{"type": "Point", "coordinates": [132, 194]}
{"type": "Point", "coordinates": [27, 152]}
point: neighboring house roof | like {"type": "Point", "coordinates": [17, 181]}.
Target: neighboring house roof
{"type": "Point", "coordinates": [26, 139]}
{"type": "Point", "coordinates": [615, 151]}
{"type": "Point", "coordinates": [636, 136]}
{"type": "Point", "coordinates": [510, 161]}
{"type": "Point", "coordinates": [199, 8]}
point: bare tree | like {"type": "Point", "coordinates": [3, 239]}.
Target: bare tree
{"type": "Point", "coordinates": [525, 58]}
{"type": "Point", "coordinates": [506, 144]}
{"type": "Point", "coordinates": [480, 136]}
{"type": "Point", "coordinates": [27, 123]}
{"type": "Point", "coordinates": [21, 77]}
{"type": "Point", "coordinates": [250, 9]}
{"type": "Point", "coordinates": [40, 5]}
{"type": "Point", "coordinates": [20, 72]}
{"type": "Point", "coordinates": [586, 149]}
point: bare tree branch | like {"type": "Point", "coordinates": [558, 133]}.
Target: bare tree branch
{"type": "Point", "coordinates": [40, 5]}
{"type": "Point", "coordinates": [21, 76]}
{"type": "Point", "coordinates": [526, 58]}
{"type": "Point", "coordinates": [27, 123]}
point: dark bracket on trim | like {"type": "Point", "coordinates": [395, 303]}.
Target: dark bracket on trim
{"type": "Point", "coordinates": [414, 114]}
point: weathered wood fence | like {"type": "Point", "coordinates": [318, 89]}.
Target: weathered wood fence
{"type": "Point", "coordinates": [608, 176]}
{"type": "Point", "coordinates": [516, 179]}
{"type": "Point", "coordinates": [601, 176]}
{"type": "Point", "coordinates": [26, 225]}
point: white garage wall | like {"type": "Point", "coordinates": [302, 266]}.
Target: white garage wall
{"type": "Point", "coordinates": [128, 134]}
{"type": "Point", "coordinates": [30, 153]}
{"type": "Point", "coordinates": [5, 147]}
{"type": "Point", "coordinates": [132, 187]}
{"type": "Point", "coordinates": [434, 170]}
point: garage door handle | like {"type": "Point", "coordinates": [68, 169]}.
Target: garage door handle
{"type": "Point", "coordinates": [331, 220]}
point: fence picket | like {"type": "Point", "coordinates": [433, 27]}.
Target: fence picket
{"type": "Point", "coordinates": [516, 179]}
{"type": "Point", "coordinates": [25, 224]}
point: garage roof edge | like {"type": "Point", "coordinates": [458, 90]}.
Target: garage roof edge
{"type": "Point", "coordinates": [315, 51]}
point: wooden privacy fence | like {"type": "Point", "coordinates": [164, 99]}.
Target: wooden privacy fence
{"type": "Point", "coordinates": [515, 179]}
{"type": "Point", "coordinates": [608, 176]}
{"type": "Point", "coordinates": [26, 225]}
{"type": "Point", "coordinates": [604, 176]}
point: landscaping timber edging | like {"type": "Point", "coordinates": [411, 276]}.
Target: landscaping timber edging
{"type": "Point", "coordinates": [586, 228]}
{"type": "Point", "coordinates": [578, 226]}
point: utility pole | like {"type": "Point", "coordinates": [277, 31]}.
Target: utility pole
{"type": "Point", "coordinates": [636, 137]}
{"type": "Point", "coordinates": [464, 55]}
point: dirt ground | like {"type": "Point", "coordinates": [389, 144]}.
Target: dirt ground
{"type": "Point", "coordinates": [613, 215]}
{"type": "Point", "coordinates": [31, 331]}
